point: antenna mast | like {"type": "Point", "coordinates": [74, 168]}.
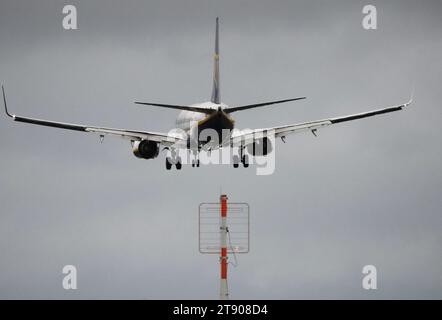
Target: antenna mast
{"type": "Point", "coordinates": [224, 290]}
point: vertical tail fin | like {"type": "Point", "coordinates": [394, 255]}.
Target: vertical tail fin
{"type": "Point", "coordinates": [216, 96]}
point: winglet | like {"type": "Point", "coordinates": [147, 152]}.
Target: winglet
{"type": "Point", "coordinates": [4, 101]}
{"type": "Point", "coordinates": [411, 99]}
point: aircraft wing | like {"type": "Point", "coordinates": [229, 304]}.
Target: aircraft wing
{"type": "Point", "coordinates": [247, 137]}
{"type": "Point", "coordinates": [133, 135]}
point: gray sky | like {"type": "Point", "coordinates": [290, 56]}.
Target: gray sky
{"type": "Point", "coordinates": [365, 192]}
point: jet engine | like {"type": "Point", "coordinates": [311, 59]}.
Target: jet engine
{"type": "Point", "coordinates": [146, 149]}
{"type": "Point", "coordinates": [260, 147]}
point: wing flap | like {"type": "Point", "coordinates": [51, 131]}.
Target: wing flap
{"type": "Point", "coordinates": [54, 124]}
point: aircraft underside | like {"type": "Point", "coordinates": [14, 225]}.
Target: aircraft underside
{"type": "Point", "coordinates": [219, 123]}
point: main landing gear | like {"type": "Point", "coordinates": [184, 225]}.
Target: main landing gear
{"type": "Point", "coordinates": [170, 162]}
{"type": "Point", "coordinates": [173, 160]}
{"type": "Point", "coordinates": [243, 158]}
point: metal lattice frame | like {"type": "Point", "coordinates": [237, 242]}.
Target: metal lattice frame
{"type": "Point", "coordinates": [238, 223]}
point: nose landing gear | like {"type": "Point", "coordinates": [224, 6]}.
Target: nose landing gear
{"type": "Point", "coordinates": [196, 159]}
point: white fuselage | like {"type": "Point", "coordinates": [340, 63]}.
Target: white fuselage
{"type": "Point", "coordinates": [194, 122]}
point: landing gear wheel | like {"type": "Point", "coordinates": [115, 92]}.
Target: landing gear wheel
{"type": "Point", "coordinates": [235, 161]}
{"type": "Point", "coordinates": [196, 163]}
{"type": "Point", "coordinates": [196, 159]}
{"type": "Point", "coordinates": [168, 164]}
{"type": "Point", "coordinates": [245, 161]}
{"type": "Point", "coordinates": [178, 164]}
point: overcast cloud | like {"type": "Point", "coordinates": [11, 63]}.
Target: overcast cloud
{"type": "Point", "coordinates": [365, 192]}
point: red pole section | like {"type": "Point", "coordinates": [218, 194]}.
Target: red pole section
{"type": "Point", "coordinates": [223, 206]}
{"type": "Point", "coordinates": [223, 263]}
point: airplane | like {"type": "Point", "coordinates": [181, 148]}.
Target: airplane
{"type": "Point", "coordinates": [195, 118]}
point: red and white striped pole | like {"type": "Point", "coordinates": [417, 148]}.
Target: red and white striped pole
{"type": "Point", "coordinates": [224, 292]}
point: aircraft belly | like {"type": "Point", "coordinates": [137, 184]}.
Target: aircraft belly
{"type": "Point", "coordinates": [218, 122]}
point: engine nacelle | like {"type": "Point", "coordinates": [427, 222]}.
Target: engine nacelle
{"type": "Point", "coordinates": [261, 147]}
{"type": "Point", "coordinates": [146, 149]}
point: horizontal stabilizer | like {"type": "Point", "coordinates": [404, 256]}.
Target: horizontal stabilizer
{"type": "Point", "coordinates": [171, 106]}
{"type": "Point", "coordinates": [258, 105]}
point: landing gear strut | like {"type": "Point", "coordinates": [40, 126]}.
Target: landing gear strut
{"type": "Point", "coordinates": [245, 161]}
{"type": "Point", "coordinates": [168, 163]}
{"type": "Point", "coordinates": [243, 158]}
{"type": "Point", "coordinates": [178, 163]}
{"type": "Point", "coordinates": [196, 159]}
{"type": "Point", "coordinates": [235, 161]}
